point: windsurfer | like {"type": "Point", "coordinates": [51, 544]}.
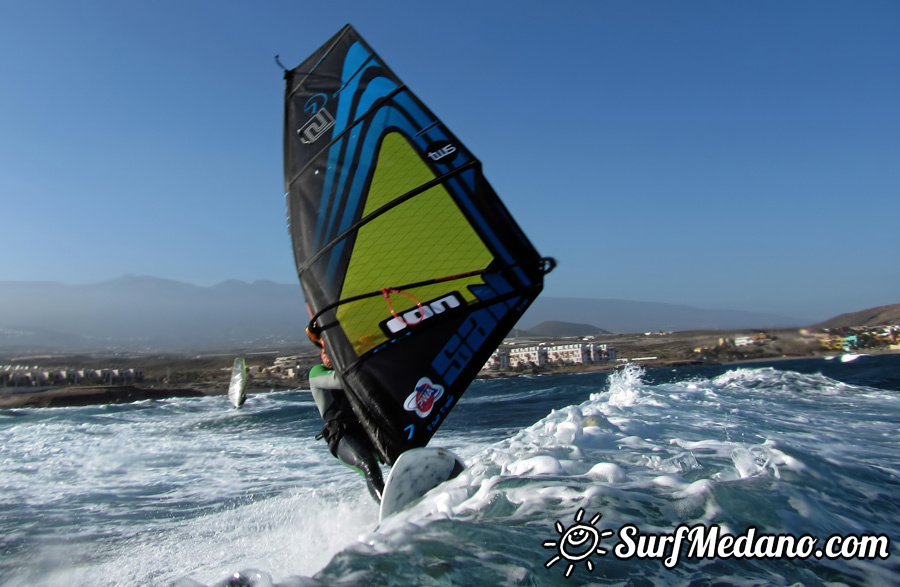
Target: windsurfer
{"type": "Point", "coordinates": [342, 431]}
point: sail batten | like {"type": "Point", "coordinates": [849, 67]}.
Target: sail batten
{"type": "Point", "coordinates": [412, 268]}
{"type": "Point", "coordinates": [385, 208]}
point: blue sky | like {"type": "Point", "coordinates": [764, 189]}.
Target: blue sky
{"type": "Point", "coordinates": [720, 154]}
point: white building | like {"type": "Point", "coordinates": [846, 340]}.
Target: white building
{"type": "Point", "coordinates": [575, 354]}
{"type": "Point", "coordinates": [532, 355]}
{"type": "Point", "coordinates": [293, 361]}
{"type": "Point", "coordinates": [601, 353]}
{"type": "Point", "coordinates": [543, 354]}
{"type": "Point", "coordinates": [581, 353]}
{"type": "Point", "coordinates": [498, 360]}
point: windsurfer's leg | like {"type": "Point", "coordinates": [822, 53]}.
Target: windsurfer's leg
{"type": "Point", "coordinates": [355, 454]}
{"type": "Point", "coordinates": [324, 399]}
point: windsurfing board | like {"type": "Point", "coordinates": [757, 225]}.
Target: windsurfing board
{"type": "Point", "coordinates": [236, 392]}
{"type": "Point", "coordinates": [415, 473]}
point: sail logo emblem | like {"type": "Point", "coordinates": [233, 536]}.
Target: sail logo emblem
{"type": "Point", "coordinates": [439, 150]}
{"type": "Point", "coordinates": [315, 103]}
{"type": "Point", "coordinates": [421, 401]}
{"type": "Point", "coordinates": [316, 126]}
{"type": "Point", "coordinates": [418, 314]}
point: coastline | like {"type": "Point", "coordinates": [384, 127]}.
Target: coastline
{"type": "Point", "coordinates": [671, 363]}
{"type": "Point", "coordinates": [75, 396]}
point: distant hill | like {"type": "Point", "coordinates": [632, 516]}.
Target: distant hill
{"type": "Point", "coordinates": [564, 329]}
{"type": "Point", "coordinates": [626, 316]}
{"type": "Point", "coordinates": [882, 315]}
{"type": "Point", "coordinates": [146, 313]}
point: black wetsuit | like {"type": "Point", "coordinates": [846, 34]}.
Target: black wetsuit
{"type": "Point", "coordinates": [342, 431]}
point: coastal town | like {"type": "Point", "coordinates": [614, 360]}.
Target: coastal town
{"type": "Point", "coordinates": [159, 376]}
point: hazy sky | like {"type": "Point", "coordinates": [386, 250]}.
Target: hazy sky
{"type": "Point", "coordinates": [726, 154]}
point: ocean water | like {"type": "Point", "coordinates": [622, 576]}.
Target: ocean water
{"type": "Point", "coordinates": [571, 480]}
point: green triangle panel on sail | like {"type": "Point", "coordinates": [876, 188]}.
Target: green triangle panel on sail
{"type": "Point", "coordinates": [421, 238]}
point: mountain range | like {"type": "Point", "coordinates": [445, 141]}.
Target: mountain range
{"type": "Point", "coordinates": [557, 328]}
{"type": "Point", "coordinates": [148, 313]}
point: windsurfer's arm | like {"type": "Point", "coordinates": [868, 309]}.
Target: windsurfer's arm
{"type": "Point", "coordinates": [323, 378]}
{"type": "Point", "coordinates": [323, 382]}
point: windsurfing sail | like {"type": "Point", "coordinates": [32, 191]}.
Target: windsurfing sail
{"type": "Point", "coordinates": [412, 269]}
{"type": "Point", "coordinates": [236, 393]}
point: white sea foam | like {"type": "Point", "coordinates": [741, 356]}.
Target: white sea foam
{"type": "Point", "coordinates": [152, 493]}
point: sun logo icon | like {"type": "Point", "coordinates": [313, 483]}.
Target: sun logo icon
{"type": "Point", "coordinates": [578, 542]}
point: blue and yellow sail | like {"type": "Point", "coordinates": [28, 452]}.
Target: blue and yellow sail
{"type": "Point", "coordinates": [412, 269]}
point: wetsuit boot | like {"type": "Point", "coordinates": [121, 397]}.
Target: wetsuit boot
{"type": "Point", "coordinates": [354, 453]}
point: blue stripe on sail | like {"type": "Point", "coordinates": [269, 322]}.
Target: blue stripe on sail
{"type": "Point", "coordinates": [421, 118]}
{"type": "Point", "coordinates": [356, 56]}
{"type": "Point", "coordinates": [374, 91]}
{"type": "Point", "coordinates": [367, 153]}
{"type": "Point", "coordinates": [388, 115]}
